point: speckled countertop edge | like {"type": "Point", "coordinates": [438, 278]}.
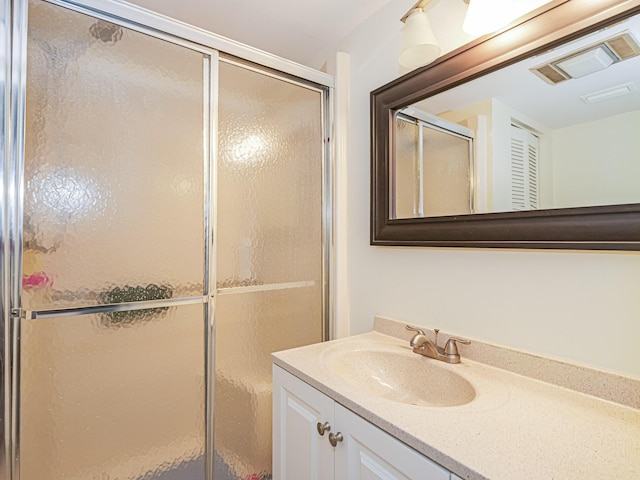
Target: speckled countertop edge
{"type": "Point", "coordinates": [525, 428]}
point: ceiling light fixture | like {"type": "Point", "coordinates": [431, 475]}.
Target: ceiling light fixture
{"type": "Point", "coordinates": [419, 44]}
{"type": "Point", "coordinates": [486, 16]}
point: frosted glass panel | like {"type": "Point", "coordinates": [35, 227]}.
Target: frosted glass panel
{"type": "Point", "coordinates": [114, 173]}
{"type": "Point", "coordinates": [269, 180]}
{"type": "Point", "coordinates": [406, 171]}
{"type": "Point", "coordinates": [431, 171]}
{"type": "Point", "coordinates": [103, 399]}
{"type": "Point", "coordinates": [447, 174]}
{"type": "Point", "coordinates": [269, 266]}
{"type": "Point", "coordinates": [249, 326]}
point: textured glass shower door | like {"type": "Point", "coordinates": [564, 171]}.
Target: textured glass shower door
{"type": "Point", "coordinates": [270, 270]}
{"type": "Point", "coordinates": [111, 230]}
{"type": "Point", "coordinates": [113, 343]}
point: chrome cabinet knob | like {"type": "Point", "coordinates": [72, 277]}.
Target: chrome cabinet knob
{"type": "Point", "coordinates": [335, 439]}
{"type": "Point", "coordinates": [323, 427]}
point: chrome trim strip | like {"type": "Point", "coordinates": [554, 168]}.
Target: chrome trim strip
{"type": "Point", "coordinates": [209, 414]}
{"type": "Point", "coordinates": [109, 308]}
{"type": "Point", "coordinates": [5, 318]}
{"type": "Point", "coordinates": [206, 152]}
{"type": "Point", "coordinates": [127, 23]}
{"type": "Point", "coordinates": [158, 22]}
{"type": "Point", "coordinates": [412, 114]}
{"type": "Point", "coordinates": [15, 201]}
{"type": "Point", "coordinates": [214, 95]}
{"type": "Point", "coordinates": [265, 288]}
{"type": "Point", "coordinates": [419, 173]}
{"type": "Point", "coordinates": [263, 70]}
{"type": "Point", "coordinates": [14, 447]}
{"type": "Point", "coordinates": [328, 260]}
{"type": "Point", "coordinates": [5, 280]}
{"type": "Point", "coordinates": [210, 212]}
{"type": "Point", "coordinates": [472, 175]}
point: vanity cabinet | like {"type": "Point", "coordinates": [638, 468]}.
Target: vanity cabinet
{"type": "Point", "coordinates": [362, 451]}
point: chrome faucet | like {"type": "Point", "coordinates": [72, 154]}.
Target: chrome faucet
{"type": "Point", "coordinates": [422, 345]}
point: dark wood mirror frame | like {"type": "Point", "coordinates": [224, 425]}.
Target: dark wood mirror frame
{"type": "Point", "coordinates": [613, 227]}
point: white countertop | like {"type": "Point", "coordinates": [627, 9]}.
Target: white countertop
{"type": "Point", "coordinates": [515, 428]}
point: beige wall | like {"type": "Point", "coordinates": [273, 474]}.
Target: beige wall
{"type": "Point", "coordinates": [581, 177]}
{"type": "Point", "coordinates": [566, 304]}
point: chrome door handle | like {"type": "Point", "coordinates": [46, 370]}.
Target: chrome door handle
{"type": "Point", "coordinates": [334, 439]}
{"type": "Point", "coordinates": [323, 427]}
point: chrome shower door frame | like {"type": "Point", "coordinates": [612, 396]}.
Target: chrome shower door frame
{"type": "Point", "coordinates": [328, 168]}
{"type": "Point", "coordinates": [12, 212]}
{"type": "Point", "coordinates": [13, 38]}
{"type": "Point", "coordinates": [5, 290]}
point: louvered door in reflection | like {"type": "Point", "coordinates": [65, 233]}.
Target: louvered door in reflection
{"type": "Point", "coordinates": [269, 251]}
{"type": "Point", "coordinates": [114, 214]}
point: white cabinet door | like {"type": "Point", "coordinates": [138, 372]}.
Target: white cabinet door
{"type": "Point", "coordinates": [368, 453]}
{"type": "Point", "coordinates": [364, 453]}
{"type": "Point", "coordinates": [299, 451]}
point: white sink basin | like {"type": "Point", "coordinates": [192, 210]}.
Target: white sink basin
{"type": "Point", "coordinates": [401, 376]}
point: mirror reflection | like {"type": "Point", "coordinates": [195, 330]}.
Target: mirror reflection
{"type": "Point", "coordinates": [557, 130]}
{"type": "Point", "coordinates": [433, 167]}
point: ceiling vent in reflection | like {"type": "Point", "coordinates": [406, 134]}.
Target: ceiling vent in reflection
{"type": "Point", "coordinates": [589, 60]}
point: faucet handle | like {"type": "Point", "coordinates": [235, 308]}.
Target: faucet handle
{"type": "Point", "coordinates": [418, 339]}
{"type": "Point", "coordinates": [414, 329]}
{"type": "Point", "coordinates": [451, 347]}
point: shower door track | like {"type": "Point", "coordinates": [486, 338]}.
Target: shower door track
{"type": "Point", "coordinates": [139, 17]}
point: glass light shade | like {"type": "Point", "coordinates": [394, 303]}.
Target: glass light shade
{"type": "Point", "coordinates": [419, 45]}
{"type": "Point", "coordinates": [485, 16]}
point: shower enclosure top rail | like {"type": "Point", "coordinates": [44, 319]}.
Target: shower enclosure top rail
{"type": "Point", "coordinates": [147, 18]}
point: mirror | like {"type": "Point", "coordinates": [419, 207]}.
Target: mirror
{"type": "Point", "coordinates": [541, 141]}
{"type": "Point", "coordinates": [527, 138]}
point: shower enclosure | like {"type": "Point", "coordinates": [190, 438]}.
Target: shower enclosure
{"type": "Point", "coordinates": [164, 228]}
{"type": "Point", "coordinates": [433, 169]}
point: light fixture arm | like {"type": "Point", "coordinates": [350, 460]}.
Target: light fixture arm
{"type": "Point", "coordinates": [420, 4]}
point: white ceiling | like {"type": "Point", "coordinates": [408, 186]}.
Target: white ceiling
{"type": "Point", "coordinates": [303, 31]}
{"type": "Point", "coordinates": [556, 106]}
